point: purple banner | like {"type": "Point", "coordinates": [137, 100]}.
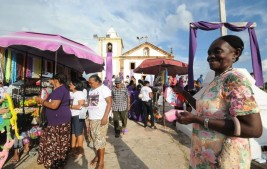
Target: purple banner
{"type": "Point", "coordinates": [109, 71]}
{"type": "Point", "coordinates": [255, 53]}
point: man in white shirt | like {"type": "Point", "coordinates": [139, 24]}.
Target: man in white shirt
{"type": "Point", "coordinates": [147, 96]}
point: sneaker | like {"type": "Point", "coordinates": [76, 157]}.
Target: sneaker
{"type": "Point", "coordinates": [153, 127]}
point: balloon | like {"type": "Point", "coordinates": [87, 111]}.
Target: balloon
{"type": "Point", "coordinates": [39, 132]}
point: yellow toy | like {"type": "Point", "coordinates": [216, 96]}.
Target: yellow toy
{"type": "Point", "coordinates": [13, 120]}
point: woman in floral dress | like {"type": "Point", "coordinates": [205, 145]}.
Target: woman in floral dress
{"type": "Point", "coordinates": [227, 113]}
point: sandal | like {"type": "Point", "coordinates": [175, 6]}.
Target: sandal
{"type": "Point", "coordinates": [100, 166]}
{"type": "Point", "coordinates": [13, 160]}
{"type": "Point", "coordinates": [94, 161]}
{"type": "Point", "coordinates": [72, 154]}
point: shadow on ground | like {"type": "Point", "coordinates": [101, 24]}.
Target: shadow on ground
{"type": "Point", "coordinates": [123, 151]}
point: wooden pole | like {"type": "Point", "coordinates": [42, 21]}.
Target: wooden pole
{"type": "Point", "coordinates": [163, 89]}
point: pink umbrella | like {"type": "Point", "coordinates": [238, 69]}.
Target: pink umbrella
{"type": "Point", "coordinates": [55, 47]}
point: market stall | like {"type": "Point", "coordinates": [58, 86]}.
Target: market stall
{"type": "Point", "coordinates": [26, 58]}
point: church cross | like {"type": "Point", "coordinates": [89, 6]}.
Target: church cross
{"type": "Point", "coordinates": [223, 19]}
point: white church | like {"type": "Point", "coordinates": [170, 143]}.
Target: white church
{"type": "Point", "coordinates": [126, 62]}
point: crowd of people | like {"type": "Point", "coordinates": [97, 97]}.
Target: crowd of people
{"type": "Point", "coordinates": [226, 112]}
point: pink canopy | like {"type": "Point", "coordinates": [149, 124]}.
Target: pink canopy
{"type": "Point", "coordinates": [55, 47]}
{"type": "Point", "coordinates": [154, 66]}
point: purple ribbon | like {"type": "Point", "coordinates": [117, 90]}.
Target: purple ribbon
{"type": "Point", "coordinates": [109, 67]}
{"type": "Point", "coordinates": [255, 53]}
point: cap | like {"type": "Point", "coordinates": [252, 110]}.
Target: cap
{"type": "Point", "coordinates": [117, 80]}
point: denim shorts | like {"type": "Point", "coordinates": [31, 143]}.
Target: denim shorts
{"type": "Point", "coordinates": [77, 125]}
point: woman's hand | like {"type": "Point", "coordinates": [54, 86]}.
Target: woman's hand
{"type": "Point", "coordinates": [38, 99]}
{"type": "Point", "coordinates": [104, 121]}
{"type": "Point", "coordinates": [185, 117]}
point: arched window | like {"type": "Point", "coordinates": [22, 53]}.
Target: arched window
{"type": "Point", "coordinates": [146, 51]}
{"type": "Point", "coordinates": [109, 47]}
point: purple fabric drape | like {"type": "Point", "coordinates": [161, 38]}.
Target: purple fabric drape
{"type": "Point", "coordinates": [255, 53]}
{"type": "Point", "coordinates": [109, 67]}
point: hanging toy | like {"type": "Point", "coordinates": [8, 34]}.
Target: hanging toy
{"type": "Point", "coordinates": [34, 132]}
{"type": "Point", "coordinates": [5, 120]}
{"type": "Point", "coordinates": [4, 153]}
{"type": "Point", "coordinates": [23, 135]}
{"type": "Point", "coordinates": [39, 131]}
{"type": "Point", "coordinates": [13, 120]}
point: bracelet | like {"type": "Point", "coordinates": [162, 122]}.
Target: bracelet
{"type": "Point", "coordinates": [206, 123]}
{"type": "Point", "coordinates": [237, 131]}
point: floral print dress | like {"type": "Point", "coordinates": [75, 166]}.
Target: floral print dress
{"type": "Point", "coordinates": [227, 95]}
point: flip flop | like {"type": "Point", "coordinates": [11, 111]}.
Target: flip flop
{"type": "Point", "coordinates": [13, 160]}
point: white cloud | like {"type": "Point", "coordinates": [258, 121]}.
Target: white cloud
{"type": "Point", "coordinates": [179, 20]}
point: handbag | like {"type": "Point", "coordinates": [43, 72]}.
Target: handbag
{"type": "Point", "coordinates": [43, 119]}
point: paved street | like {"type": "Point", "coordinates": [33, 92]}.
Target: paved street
{"type": "Point", "coordinates": [141, 148]}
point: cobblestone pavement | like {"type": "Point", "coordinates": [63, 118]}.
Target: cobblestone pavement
{"type": "Point", "coordinates": [140, 148]}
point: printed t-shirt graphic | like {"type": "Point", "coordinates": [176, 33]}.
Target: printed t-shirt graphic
{"type": "Point", "coordinates": [93, 100]}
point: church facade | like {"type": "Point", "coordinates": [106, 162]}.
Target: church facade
{"type": "Point", "coordinates": [124, 63]}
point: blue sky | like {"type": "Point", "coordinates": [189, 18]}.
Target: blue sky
{"type": "Point", "coordinates": [164, 22]}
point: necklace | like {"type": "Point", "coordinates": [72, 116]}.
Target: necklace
{"type": "Point", "coordinates": [217, 77]}
{"type": "Point", "coordinates": [227, 70]}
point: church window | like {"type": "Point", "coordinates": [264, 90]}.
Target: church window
{"type": "Point", "coordinates": [146, 51]}
{"type": "Point", "coordinates": [132, 65]}
{"type": "Point", "coordinates": [109, 47]}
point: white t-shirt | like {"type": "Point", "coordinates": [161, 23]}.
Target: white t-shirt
{"type": "Point", "coordinates": [76, 96]}
{"type": "Point", "coordinates": [85, 92]}
{"type": "Point", "coordinates": [97, 102]}
{"type": "Point", "coordinates": [145, 90]}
